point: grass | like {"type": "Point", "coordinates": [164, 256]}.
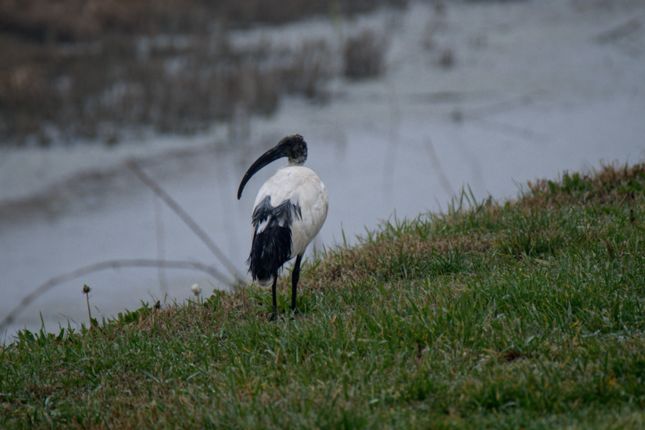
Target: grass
{"type": "Point", "coordinates": [526, 314]}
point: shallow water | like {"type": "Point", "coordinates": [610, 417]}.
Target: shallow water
{"type": "Point", "coordinates": [508, 112]}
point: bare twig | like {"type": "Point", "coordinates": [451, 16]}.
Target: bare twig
{"type": "Point", "coordinates": [517, 131]}
{"type": "Point", "coordinates": [619, 32]}
{"type": "Point", "coordinates": [187, 219]}
{"type": "Point", "coordinates": [393, 137]}
{"type": "Point", "coordinates": [500, 106]}
{"type": "Point", "coordinates": [105, 265]}
{"type": "Point", "coordinates": [481, 115]}
{"type": "Point", "coordinates": [86, 292]}
{"type": "Point", "coordinates": [161, 254]}
{"type": "Point", "coordinates": [436, 164]}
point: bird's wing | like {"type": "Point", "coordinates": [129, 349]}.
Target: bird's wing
{"type": "Point", "coordinates": [300, 189]}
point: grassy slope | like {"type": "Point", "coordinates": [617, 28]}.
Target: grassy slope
{"type": "Point", "coordinates": [524, 314]}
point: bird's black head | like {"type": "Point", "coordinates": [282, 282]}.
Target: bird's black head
{"type": "Point", "coordinates": [293, 147]}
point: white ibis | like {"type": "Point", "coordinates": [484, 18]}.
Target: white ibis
{"type": "Point", "coordinates": [288, 212]}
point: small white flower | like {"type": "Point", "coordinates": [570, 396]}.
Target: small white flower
{"type": "Point", "coordinates": [196, 289]}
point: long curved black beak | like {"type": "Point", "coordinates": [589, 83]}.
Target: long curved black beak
{"type": "Point", "coordinates": [271, 155]}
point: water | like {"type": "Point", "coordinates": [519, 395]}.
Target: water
{"type": "Point", "coordinates": [515, 107]}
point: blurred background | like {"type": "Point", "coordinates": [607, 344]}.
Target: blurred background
{"type": "Point", "coordinates": [403, 103]}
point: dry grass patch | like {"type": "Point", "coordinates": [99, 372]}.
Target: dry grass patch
{"type": "Point", "coordinates": [609, 184]}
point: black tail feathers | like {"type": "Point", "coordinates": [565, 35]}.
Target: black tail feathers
{"type": "Point", "coordinates": [271, 246]}
{"type": "Point", "coordinates": [270, 250]}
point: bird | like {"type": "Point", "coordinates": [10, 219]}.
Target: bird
{"type": "Point", "coordinates": [289, 211]}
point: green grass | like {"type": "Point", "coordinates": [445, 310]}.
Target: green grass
{"type": "Point", "coordinates": [527, 314]}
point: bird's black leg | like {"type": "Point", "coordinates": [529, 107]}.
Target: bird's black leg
{"type": "Point", "coordinates": [295, 276]}
{"type": "Point", "coordinates": [274, 314]}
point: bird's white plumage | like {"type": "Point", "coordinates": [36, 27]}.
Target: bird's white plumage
{"type": "Point", "coordinates": [302, 187]}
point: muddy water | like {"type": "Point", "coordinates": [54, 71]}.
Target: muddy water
{"type": "Point", "coordinates": [369, 178]}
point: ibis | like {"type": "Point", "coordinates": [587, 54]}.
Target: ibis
{"type": "Point", "coordinates": [289, 210]}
